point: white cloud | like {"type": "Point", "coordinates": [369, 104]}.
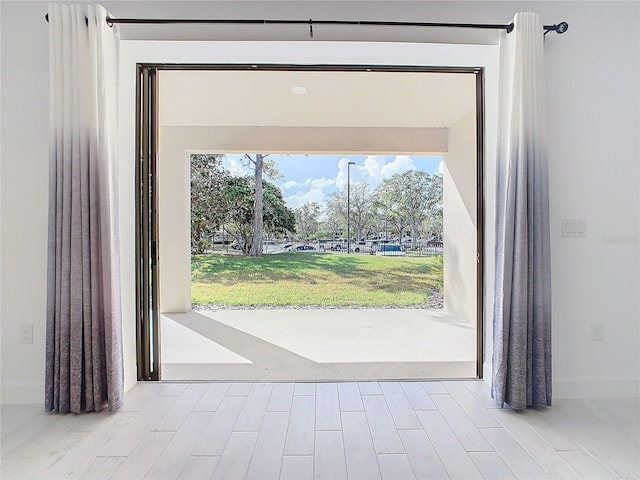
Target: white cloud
{"type": "Point", "coordinates": [374, 169]}
{"type": "Point", "coordinates": [441, 167]}
{"type": "Point", "coordinates": [371, 170]}
{"type": "Point", "coordinates": [237, 168]}
{"type": "Point", "coordinates": [291, 184]}
{"type": "Point", "coordinates": [320, 182]}
{"type": "Point", "coordinates": [341, 176]}
{"type": "Point", "coordinates": [299, 199]}
{"type": "Point", "coordinates": [312, 190]}
{"type": "Point", "coordinates": [401, 164]}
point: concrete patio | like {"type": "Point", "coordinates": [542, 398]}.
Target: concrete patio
{"type": "Point", "coordinates": [316, 345]}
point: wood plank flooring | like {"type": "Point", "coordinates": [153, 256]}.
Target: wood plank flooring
{"type": "Point", "coordinates": [367, 430]}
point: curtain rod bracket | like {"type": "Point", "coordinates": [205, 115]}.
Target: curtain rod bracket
{"type": "Point", "coordinates": [310, 28]}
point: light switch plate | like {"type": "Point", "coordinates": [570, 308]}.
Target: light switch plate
{"type": "Point", "coordinates": [574, 228]}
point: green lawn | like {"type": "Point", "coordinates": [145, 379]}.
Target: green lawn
{"type": "Point", "coordinates": [294, 279]}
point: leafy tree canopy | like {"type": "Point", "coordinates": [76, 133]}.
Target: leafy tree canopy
{"type": "Point", "coordinates": [308, 220]}
{"type": "Point", "coordinates": [278, 219]}
{"type": "Point", "coordinates": [209, 206]}
{"type": "Point", "coordinates": [410, 199]}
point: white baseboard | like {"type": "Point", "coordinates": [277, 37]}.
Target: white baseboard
{"type": "Point", "coordinates": [486, 373]}
{"type": "Point", "coordinates": [33, 393]}
{"type": "Point", "coordinates": [596, 387]}
{"type": "Point", "coordinates": [130, 376]}
{"type": "Point", "coordinates": [22, 393]}
{"type": "Point", "coordinates": [587, 387]}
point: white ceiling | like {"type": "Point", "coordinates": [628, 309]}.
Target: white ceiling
{"type": "Point", "coordinates": [333, 99]}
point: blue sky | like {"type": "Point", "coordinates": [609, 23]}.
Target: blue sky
{"type": "Point", "coordinates": [312, 178]}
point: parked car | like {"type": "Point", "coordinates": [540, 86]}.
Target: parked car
{"type": "Point", "coordinates": [360, 246]}
{"type": "Point", "coordinates": [337, 245]}
{"type": "Point", "coordinates": [434, 242]}
{"type": "Point", "coordinates": [304, 248]}
{"type": "Point", "coordinates": [269, 246]}
{"type": "Point", "coordinates": [390, 250]}
{"type": "Point", "coordinates": [373, 245]}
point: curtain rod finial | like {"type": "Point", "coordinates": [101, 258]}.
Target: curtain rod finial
{"type": "Point", "coordinates": [559, 28]}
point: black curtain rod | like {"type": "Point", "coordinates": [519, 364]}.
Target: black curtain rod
{"type": "Point", "coordinates": [558, 28]}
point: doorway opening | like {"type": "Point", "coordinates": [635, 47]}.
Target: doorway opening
{"type": "Point", "coordinates": [370, 228]}
{"type": "Point", "coordinates": [329, 343]}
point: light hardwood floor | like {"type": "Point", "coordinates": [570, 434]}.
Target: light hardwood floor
{"type": "Point", "coordinates": [372, 430]}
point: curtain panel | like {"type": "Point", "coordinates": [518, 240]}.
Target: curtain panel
{"type": "Point", "coordinates": [84, 368]}
{"type": "Point", "coordinates": [522, 308]}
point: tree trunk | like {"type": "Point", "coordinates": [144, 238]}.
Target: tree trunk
{"type": "Point", "coordinates": [414, 235]}
{"type": "Point", "coordinates": [256, 244]}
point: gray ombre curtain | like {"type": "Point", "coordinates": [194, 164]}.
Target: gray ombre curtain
{"type": "Point", "coordinates": [84, 369]}
{"type": "Point", "coordinates": [522, 309]}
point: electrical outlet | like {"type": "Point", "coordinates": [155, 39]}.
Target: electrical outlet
{"type": "Point", "coordinates": [597, 332]}
{"type": "Point", "coordinates": [26, 334]}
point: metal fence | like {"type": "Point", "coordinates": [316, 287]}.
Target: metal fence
{"type": "Point", "coordinates": [423, 251]}
{"type": "Point", "coordinates": [418, 252]}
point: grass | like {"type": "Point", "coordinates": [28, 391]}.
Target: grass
{"type": "Point", "coordinates": [295, 279]}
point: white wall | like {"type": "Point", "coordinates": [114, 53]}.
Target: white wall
{"type": "Point", "coordinates": [24, 177]}
{"type": "Point", "coordinates": [174, 223]}
{"type": "Point", "coordinates": [593, 97]}
{"type": "Point", "coordinates": [460, 220]}
{"type": "Point", "coordinates": [593, 122]}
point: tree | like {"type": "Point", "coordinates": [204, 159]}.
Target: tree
{"type": "Point", "coordinates": [361, 208]}
{"type": "Point", "coordinates": [336, 209]}
{"type": "Point", "coordinates": [380, 210]}
{"type": "Point", "coordinates": [239, 193]}
{"type": "Point", "coordinates": [208, 203]}
{"type": "Point", "coordinates": [256, 243]}
{"type": "Point", "coordinates": [433, 225]}
{"type": "Point", "coordinates": [410, 199]}
{"type": "Point", "coordinates": [423, 199]}
{"type": "Point", "coordinates": [391, 201]}
{"type": "Point", "coordinates": [307, 219]}
{"type": "Point", "coordinates": [277, 218]}
{"type": "Point", "coordinates": [332, 225]}
{"type": "Point", "coordinates": [260, 166]}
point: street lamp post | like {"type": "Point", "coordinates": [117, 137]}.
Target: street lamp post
{"type": "Point", "coordinates": [349, 206]}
